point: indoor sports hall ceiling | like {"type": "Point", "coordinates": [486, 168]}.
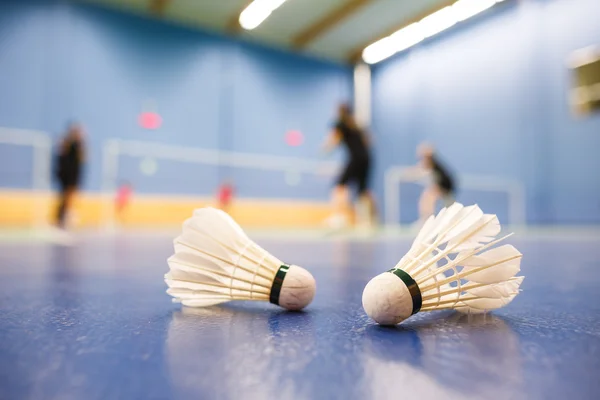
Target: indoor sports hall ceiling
{"type": "Point", "coordinates": [334, 29]}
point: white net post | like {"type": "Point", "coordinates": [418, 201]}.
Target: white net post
{"type": "Point", "coordinates": [362, 95]}
{"type": "Point", "coordinates": [392, 197]}
{"type": "Point", "coordinates": [41, 180]}
{"type": "Point", "coordinates": [517, 211]}
{"type": "Point", "coordinates": [110, 170]}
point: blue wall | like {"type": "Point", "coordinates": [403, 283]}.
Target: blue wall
{"type": "Point", "coordinates": [62, 61]}
{"type": "Point", "coordinates": [491, 94]}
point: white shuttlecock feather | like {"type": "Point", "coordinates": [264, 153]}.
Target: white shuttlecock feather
{"type": "Point", "coordinates": [450, 265]}
{"type": "Point", "coordinates": [215, 262]}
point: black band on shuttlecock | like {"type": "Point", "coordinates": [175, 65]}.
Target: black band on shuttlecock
{"type": "Point", "coordinates": [277, 283]}
{"type": "Point", "coordinates": [413, 288]}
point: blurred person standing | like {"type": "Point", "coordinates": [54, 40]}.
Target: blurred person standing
{"type": "Point", "coordinates": [358, 168]}
{"type": "Point", "coordinates": [441, 184]}
{"type": "Point", "coordinates": [69, 161]}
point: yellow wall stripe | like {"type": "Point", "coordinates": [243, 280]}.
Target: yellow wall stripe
{"type": "Point", "coordinates": [25, 208]}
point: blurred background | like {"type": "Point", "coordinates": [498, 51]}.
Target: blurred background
{"type": "Point", "coordinates": [184, 103]}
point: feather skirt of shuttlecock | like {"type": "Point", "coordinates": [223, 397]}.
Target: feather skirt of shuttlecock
{"type": "Point", "coordinates": [215, 262]}
{"type": "Point", "coordinates": [456, 266]}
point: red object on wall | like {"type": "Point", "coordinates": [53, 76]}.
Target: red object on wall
{"type": "Point", "coordinates": [123, 196]}
{"type": "Point", "coordinates": [294, 138]}
{"type": "Point", "coordinates": [149, 120]}
{"type": "Point", "coordinates": [225, 195]}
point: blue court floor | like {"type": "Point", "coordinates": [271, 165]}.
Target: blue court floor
{"type": "Point", "coordinates": [92, 321]}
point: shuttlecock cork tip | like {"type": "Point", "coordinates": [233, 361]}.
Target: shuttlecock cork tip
{"type": "Point", "coordinates": [293, 288]}
{"type": "Point", "coordinates": [390, 298]}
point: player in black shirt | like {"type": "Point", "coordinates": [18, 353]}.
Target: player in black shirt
{"type": "Point", "coordinates": [68, 167]}
{"type": "Point", "coordinates": [357, 170]}
{"type": "Point", "coordinates": [442, 184]}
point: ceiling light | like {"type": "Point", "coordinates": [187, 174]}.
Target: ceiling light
{"type": "Point", "coordinates": [427, 27]}
{"type": "Point", "coordinates": [438, 21]}
{"type": "Point", "coordinates": [464, 9]}
{"type": "Point", "coordinates": [378, 51]}
{"type": "Point", "coordinates": [407, 37]}
{"type": "Point", "coordinates": [257, 12]}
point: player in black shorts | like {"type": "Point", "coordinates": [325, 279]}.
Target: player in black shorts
{"type": "Point", "coordinates": [68, 170]}
{"type": "Point", "coordinates": [442, 185]}
{"type": "Point", "coordinates": [357, 170]}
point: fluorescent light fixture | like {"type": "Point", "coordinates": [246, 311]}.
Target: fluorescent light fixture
{"type": "Point", "coordinates": [378, 51]}
{"type": "Point", "coordinates": [427, 27]}
{"type": "Point", "coordinates": [407, 37]}
{"type": "Point", "coordinates": [438, 21]}
{"type": "Point", "coordinates": [257, 12]}
{"type": "Point", "coordinates": [464, 9]}
{"type": "Point", "coordinates": [398, 41]}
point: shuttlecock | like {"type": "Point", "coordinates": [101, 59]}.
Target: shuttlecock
{"type": "Point", "coordinates": [449, 266]}
{"type": "Point", "coordinates": [215, 262]}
